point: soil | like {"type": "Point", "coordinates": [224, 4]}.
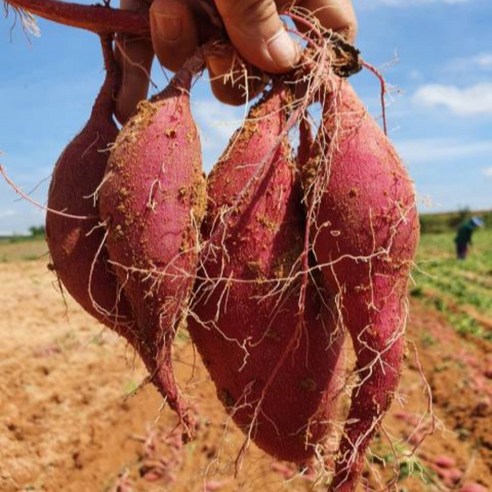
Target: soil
{"type": "Point", "coordinates": [73, 416]}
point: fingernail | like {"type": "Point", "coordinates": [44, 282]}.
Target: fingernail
{"type": "Point", "coordinates": [170, 27]}
{"type": "Point", "coordinates": [283, 50]}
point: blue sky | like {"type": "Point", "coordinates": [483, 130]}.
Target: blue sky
{"type": "Point", "coordinates": [436, 55]}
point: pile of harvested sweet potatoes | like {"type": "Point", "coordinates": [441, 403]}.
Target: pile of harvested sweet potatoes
{"type": "Point", "coordinates": [269, 262]}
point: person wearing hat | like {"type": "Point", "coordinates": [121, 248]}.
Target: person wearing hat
{"type": "Point", "coordinates": [464, 234]}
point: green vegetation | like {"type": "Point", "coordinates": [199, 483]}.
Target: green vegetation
{"type": "Point", "coordinates": [461, 290]}
{"type": "Point", "coordinates": [447, 222]}
{"type": "Point", "coordinates": [404, 463]}
{"type": "Point", "coordinates": [37, 232]}
{"type": "Point", "coordinates": [24, 248]}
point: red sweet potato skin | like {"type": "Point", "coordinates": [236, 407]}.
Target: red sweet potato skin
{"type": "Point", "coordinates": [76, 245]}
{"type": "Point", "coordinates": [276, 370]}
{"type": "Point", "coordinates": [366, 234]}
{"type": "Point", "coordinates": [152, 201]}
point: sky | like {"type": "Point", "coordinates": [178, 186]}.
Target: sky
{"type": "Point", "coordinates": [435, 55]}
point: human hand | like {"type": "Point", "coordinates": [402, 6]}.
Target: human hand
{"type": "Point", "coordinates": [254, 27]}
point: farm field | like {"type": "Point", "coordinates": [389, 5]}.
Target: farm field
{"type": "Point", "coordinates": [73, 417]}
{"type": "Point", "coordinates": [461, 290]}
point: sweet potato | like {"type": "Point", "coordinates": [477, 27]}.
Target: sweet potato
{"type": "Point", "coordinates": [365, 236]}
{"type": "Point", "coordinates": [275, 364]}
{"type": "Point", "coordinates": [73, 231]}
{"type": "Point", "coordinates": [152, 201]}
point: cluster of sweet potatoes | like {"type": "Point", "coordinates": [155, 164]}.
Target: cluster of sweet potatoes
{"type": "Point", "coordinates": [269, 262]}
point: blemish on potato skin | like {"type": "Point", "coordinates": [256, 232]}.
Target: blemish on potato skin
{"type": "Point", "coordinates": [226, 398]}
{"type": "Point", "coordinates": [308, 384]}
{"type": "Point", "coordinates": [273, 335]}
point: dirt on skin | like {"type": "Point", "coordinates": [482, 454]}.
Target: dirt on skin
{"type": "Point", "coordinates": [70, 420]}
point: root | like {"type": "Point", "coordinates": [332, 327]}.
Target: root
{"type": "Point", "coordinates": [28, 22]}
{"type": "Point", "coordinates": [121, 50]}
{"type": "Point", "coordinates": [26, 197]}
{"type": "Point", "coordinates": [428, 430]}
{"type": "Point", "coordinates": [382, 96]}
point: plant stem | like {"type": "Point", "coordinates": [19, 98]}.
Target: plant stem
{"type": "Point", "coordinates": [100, 19]}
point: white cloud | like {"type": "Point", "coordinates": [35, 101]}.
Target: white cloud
{"type": "Point", "coordinates": [218, 118]}
{"type": "Point", "coordinates": [483, 60]}
{"type": "Point", "coordinates": [418, 151]}
{"type": "Point", "coordinates": [488, 172]}
{"type": "Point", "coordinates": [479, 62]}
{"type": "Point", "coordinates": [473, 100]}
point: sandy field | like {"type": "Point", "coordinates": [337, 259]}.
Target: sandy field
{"type": "Point", "coordinates": [74, 416]}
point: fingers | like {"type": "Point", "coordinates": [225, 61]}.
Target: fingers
{"type": "Point", "coordinates": [258, 34]}
{"type": "Point", "coordinates": [254, 27]}
{"type": "Point", "coordinates": [134, 56]}
{"type": "Point", "coordinates": [338, 15]}
{"type": "Point", "coordinates": [174, 32]}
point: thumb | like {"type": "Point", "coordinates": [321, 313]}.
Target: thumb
{"type": "Point", "coordinates": [258, 34]}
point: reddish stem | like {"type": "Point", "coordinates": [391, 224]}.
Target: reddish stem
{"type": "Point", "coordinates": [100, 19]}
{"type": "Point", "coordinates": [382, 96]}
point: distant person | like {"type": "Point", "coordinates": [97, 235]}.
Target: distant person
{"type": "Point", "coordinates": [464, 234]}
